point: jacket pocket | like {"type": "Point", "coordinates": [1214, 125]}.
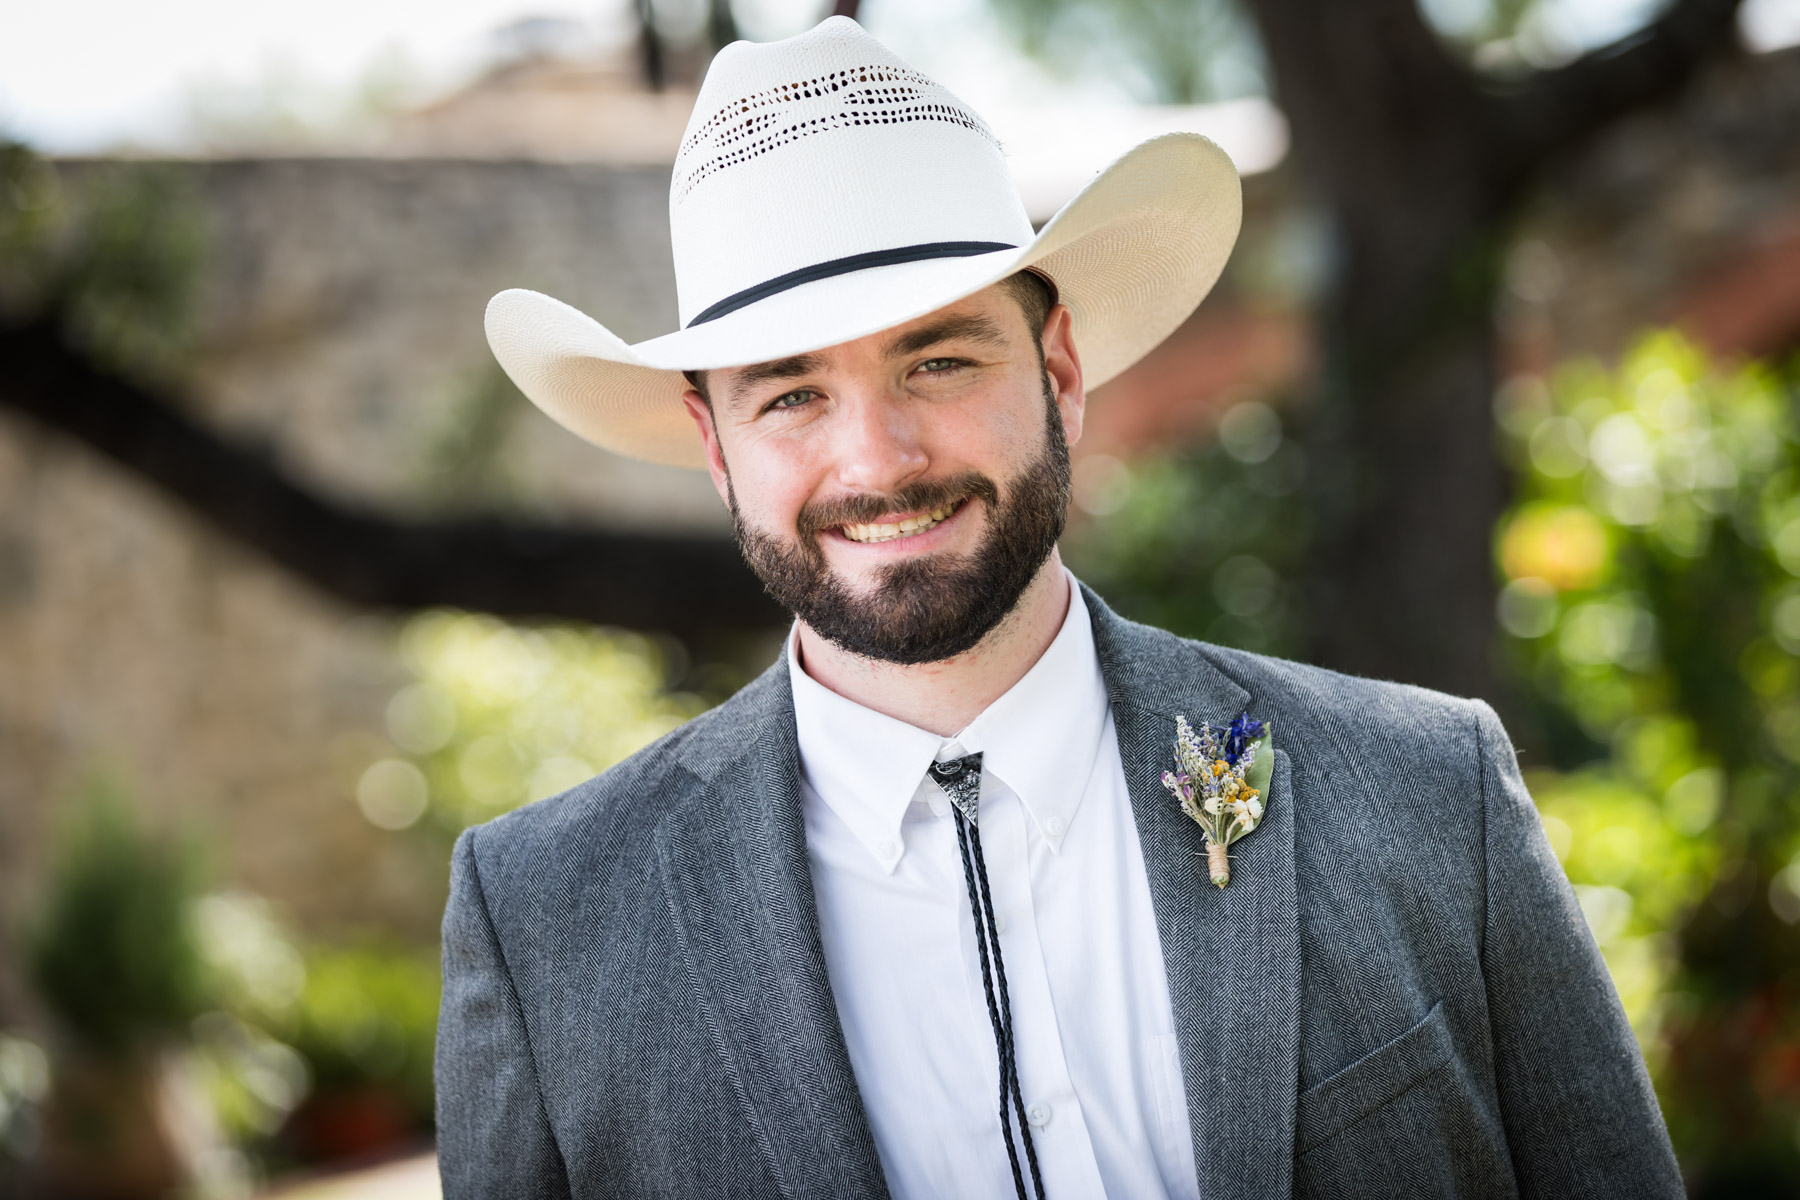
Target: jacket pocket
{"type": "Point", "coordinates": [1385, 1073]}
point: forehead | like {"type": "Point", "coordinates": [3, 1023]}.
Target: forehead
{"type": "Point", "coordinates": [988, 318]}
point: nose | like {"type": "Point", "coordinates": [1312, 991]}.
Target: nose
{"type": "Point", "coordinates": [878, 444]}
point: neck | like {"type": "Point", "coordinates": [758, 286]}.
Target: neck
{"type": "Point", "coordinates": [943, 697]}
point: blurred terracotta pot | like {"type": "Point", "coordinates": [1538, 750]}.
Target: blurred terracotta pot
{"type": "Point", "coordinates": [108, 1133]}
{"type": "Point", "coordinates": [356, 1122]}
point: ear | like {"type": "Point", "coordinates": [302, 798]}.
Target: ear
{"type": "Point", "coordinates": [1062, 362]}
{"type": "Point", "coordinates": [702, 414]}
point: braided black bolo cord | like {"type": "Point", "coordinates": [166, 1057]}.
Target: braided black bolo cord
{"type": "Point", "coordinates": [1000, 1013]}
{"type": "Point", "coordinates": [1002, 1031]}
{"type": "Point", "coordinates": [987, 905]}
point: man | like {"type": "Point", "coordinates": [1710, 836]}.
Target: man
{"type": "Point", "coordinates": [982, 890]}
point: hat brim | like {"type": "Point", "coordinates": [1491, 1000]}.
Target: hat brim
{"type": "Point", "coordinates": [1132, 254]}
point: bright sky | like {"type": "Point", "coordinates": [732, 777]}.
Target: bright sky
{"type": "Point", "coordinates": [81, 75]}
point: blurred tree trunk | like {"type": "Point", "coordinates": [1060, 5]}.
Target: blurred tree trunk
{"type": "Point", "coordinates": [1420, 165]}
{"type": "Point", "coordinates": [650, 47]}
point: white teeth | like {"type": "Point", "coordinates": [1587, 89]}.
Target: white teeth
{"type": "Point", "coordinates": [887, 532]}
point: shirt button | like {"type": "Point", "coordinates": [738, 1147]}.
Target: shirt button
{"type": "Point", "coordinates": [1038, 1114]}
{"type": "Point", "coordinates": [889, 848]}
{"type": "Point", "coordinates": [1054, 826]}
{"type": "Point", "coordinates": [999, 923]}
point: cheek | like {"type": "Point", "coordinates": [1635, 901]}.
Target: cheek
{"type": "Point", "coordinates": [1009, 436]}
{"type": "Point", "coordinates": [771, 484]}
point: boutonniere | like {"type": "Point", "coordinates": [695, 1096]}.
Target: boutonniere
{"type": "Point", "coordinates": [1220, 778]}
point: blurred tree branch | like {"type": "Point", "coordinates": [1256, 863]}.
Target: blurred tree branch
{"type": "Point", "coordinates": [1558, 108]}
{"type": "Point", "coordinates": [510, 568]}
{"type": "Point", "coordinates": [650, 47]}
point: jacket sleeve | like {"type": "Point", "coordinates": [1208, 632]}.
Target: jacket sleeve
{"type": "Point", "coordinates": [1581, 1117]}
{"type": "Point", "coordinates": [494, 1136]}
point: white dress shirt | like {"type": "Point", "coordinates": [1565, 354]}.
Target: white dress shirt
{"type": "Point", "coordinates": [1093, 1030]}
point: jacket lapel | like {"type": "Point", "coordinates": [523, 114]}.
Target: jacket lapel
{"type": "Point", "coordinates": [739, 887]}
{"type": "Point", "coordinates": [1232, 955]}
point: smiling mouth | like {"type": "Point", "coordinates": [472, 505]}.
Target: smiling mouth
{"type": "Point", "coordinates": [888, 532]}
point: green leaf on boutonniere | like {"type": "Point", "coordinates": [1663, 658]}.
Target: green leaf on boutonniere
{"type": "Point", "coordinates": [1262, 767]}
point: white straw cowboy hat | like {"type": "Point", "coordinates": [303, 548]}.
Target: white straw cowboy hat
{"type": "Point", "coordinates": [825, 191]}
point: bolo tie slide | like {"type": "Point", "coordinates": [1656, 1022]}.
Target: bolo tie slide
{"type": "Point", "coordinates": [960, 780]}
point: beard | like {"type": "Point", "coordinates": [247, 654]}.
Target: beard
{"type": "Point", "coordinates": [936, 606]}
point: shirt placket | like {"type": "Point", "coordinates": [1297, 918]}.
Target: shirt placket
{"type": "Point", "coordinates": [1058, 1126]}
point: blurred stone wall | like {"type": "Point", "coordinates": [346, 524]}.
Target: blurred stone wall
{"type": "Point", "coordinates": [339, 326]}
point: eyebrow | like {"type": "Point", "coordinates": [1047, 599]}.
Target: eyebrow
{"type": "Point", "coordinates": [781, 368]}
{"type": "Point", "coordinates": [969, 328]}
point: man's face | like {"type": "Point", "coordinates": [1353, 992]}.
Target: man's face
{"type": "Point", "coordinates": [899, 492]}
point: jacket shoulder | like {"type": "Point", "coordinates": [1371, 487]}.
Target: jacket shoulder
{"type": "Point", "coordinates": [1376, 755]}
{"type": "Point", "coordinates": [1372, 750]}
{"type": "Point", "coordinates": [1297, 695]}
{"type": "Point", "coordinates": [1355, 704]}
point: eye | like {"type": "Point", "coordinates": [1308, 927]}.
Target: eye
{"type": "Point", "coordinates": [791, 400]}
{"type": "Point", "coordinates": [934, 366]}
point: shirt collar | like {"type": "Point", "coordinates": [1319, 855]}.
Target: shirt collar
{"type": "Point", "coordinates": [1040, 739]}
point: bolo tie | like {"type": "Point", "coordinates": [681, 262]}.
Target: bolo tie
{"type": "Point", "coordinates": [960, 780]}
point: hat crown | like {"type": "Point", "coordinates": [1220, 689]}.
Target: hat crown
{"type": "Point", "coordinates": [823, 147]}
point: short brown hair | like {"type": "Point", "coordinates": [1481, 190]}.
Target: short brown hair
{"type": "Point", "coordinates": [1035, 295]}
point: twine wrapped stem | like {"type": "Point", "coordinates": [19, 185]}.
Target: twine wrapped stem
{"type": "Point", "coordinates": [1218, 863]}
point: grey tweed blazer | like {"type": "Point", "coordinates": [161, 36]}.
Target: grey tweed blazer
{"type": "Point", "coordinates": [1396, 995]}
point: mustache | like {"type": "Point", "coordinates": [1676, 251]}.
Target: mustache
{"type": "Point", "coordinates": [919, 496]}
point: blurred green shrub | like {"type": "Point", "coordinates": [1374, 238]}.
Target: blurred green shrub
{"type": "Point", "coordinates": [304, 1053]}
{"type": "Point", "coordinates": [368, 1015]}
{"type": "Point", "coordinates": [1209, 541]}
{"type": "Point", "coordinates": [112, 952]}
{"type": "Point", "coordinates": [1651, 611]}
{"type": "Point", "coordinates": [317, 1051]}
{"type": "Point", "coordinates": [498, 715]}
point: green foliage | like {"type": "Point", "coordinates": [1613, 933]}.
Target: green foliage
{"type": "Point", "coordinates": [1177, 51]}
{"type": "Point", "coordinates": [1208, 542]}
{"type": "Point", "coordinates": [1652, 610]}
{"type": "Point", "coordinates": [499, 715]}
{"type": "Point", "coordinates": [367, 1014]}
{"type": "Point", "coordinates": [113, 254]}
{"type": "Point", "coordinates": [113, 953]}
{"type": "Point", "coordinates": [314, 1021]}
{"type": "Point", "coordinates": [30, 213]}
{"type": "Point", "coordinates": [129, 956]}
